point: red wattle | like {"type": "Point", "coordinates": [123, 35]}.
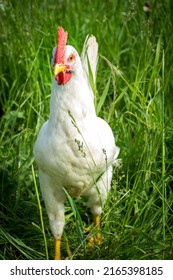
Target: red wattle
{"type": "Point", "coordinates": [63, 77]}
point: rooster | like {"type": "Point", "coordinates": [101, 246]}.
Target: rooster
{"type": "Point", "coordinates": [75, 150]}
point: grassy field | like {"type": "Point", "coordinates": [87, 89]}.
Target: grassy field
{"type": "Point", "coordinates": [134, 94]}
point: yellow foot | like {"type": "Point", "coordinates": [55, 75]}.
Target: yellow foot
{"type": "Point", "coordinates": [57, 248]}
{"type": "Point", "coordinates": [97, 239]}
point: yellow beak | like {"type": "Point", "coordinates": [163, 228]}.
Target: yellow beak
{"type": "Point", "coordinates": [58, 68]}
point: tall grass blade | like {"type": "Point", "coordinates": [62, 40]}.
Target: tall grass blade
{"type": "Point", "coordinates": [41, 213]}
{"type": "Point", "coordinates": [103, 97]}
{"type": "Point", "coordinates": [163, 153]}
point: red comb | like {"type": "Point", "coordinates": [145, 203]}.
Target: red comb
{"type": "Point", "coordinates": [60, 50]}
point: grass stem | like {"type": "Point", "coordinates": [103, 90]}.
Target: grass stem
{"type": "Point", "coordinates": [41, 213]}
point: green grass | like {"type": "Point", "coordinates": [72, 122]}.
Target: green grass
{"type": "Point", "coordinates": [134, 94]}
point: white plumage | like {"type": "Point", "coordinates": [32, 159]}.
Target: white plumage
{"type": "Point", "coordinates": [75, 149]}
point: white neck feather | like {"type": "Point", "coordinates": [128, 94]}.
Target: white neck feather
{"type": "Point", "coordinates": [74, 97]}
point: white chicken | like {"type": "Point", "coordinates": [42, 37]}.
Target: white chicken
{"type": "Point", "coordinates": [75, 150]}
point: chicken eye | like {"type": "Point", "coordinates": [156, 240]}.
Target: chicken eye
{"type": "Point", "coordinates": [71, 57]}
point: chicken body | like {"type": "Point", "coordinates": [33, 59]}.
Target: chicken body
{"type": "Point", "coordinates": [75, 149]}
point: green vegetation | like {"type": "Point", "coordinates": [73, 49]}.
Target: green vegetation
{"type": "Point", "coordinates": [134, 94]}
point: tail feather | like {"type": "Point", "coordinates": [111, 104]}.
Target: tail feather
{"type": "Point", "coordinates": [89, 56]}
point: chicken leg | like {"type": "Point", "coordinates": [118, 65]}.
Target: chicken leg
{"type": "Point", "coordinates": [57, 248]}
{"type": "Point", "coordinates": [98, 239]}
